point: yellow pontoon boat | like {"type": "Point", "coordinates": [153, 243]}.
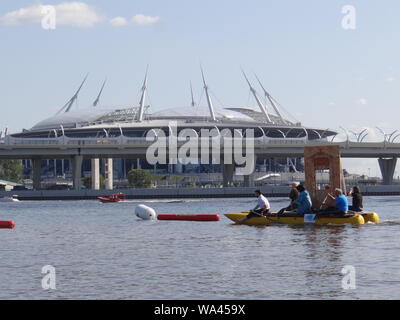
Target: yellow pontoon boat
{"type": "Point", "coordinates": [370, 217]}
{"type": "Point", "coordinates": [354, 219]}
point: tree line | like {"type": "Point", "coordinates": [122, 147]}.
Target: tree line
{"type": "Point", "coordinates": [11, 170]}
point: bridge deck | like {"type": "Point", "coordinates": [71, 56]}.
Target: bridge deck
{"type": "Point", "coordinates": [137, 147]}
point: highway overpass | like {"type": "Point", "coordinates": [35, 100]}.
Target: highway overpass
{"type": "Point", "coordinates": [77, 149]}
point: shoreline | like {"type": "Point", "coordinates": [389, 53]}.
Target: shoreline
{"type": "Point", "coordinates": [178, 193]}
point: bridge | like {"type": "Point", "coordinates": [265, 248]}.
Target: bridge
{"type": "Point", "coordinates": [77, 149]}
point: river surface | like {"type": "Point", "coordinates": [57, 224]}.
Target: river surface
{"type": "Point", "coordinates": [103, 251]}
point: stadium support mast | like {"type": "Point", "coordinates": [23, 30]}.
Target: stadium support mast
{"type": "Point", "coordinates": [260, 105]}
{"type": "Point", "coordinates": [269, 97]}
{"type": "Point", "coordinates": [71, 101]}
{"type": "Point", "coordinates": [191, 92]}
{"type": "Point", "coordinates": [209, 102]}
{"type": "Point", "coordinates": [95, 103]}
{"type": "Point", "coordinates": [143, 98]}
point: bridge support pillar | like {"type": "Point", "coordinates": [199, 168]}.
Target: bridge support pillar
{"type": "Point", "coordinates": [77, 172]}
{"type": "Point", "coordinates": [227, 174]}
{"type": "Point", "coordinates": [387, 167]}
{"type": "Point", "coordinates": [95, 174]}
{"type": "Point", "coordinates": [36, 170]}
{"type": "Point", "coordinates": [249, 180]}
{"type": "Point", "coordinates": [178, 168]}
{"type": "Point", "coordinates": [109, 174]}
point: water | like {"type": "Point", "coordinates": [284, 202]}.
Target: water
{"type": "Point", "coordinates": [102, 251]}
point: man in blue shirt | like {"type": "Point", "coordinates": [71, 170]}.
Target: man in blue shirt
{"type": "Point", "coordinates": [303, 201]}
{"type": "Point", "coordinates": [340, 202]}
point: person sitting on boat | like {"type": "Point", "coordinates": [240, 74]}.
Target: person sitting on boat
{"type": "Point", "coordinates": [357, 204]}
{"type": "Point", "coordinates": [303, 201]}
{"type": "Point", "coordinates": [340, 202]}
{"type": "Point", "coordinates": [293, 194]}
{"type": "Point", "coordinates": [261, 209]}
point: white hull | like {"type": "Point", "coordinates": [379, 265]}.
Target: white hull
{"type": "Point", "coordinates": [9, 200]}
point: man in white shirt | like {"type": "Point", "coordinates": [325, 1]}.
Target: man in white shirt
{"type": "Point", "coordinates": [261, 209]}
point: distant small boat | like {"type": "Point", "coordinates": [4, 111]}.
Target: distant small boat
{"type": "Point", "coordinates": [116, 197]}
{"type": "Point", "coordinates": [13, 198]}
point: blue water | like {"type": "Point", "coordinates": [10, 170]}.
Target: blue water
{"type": "Point", "coordinates": [102, 251]}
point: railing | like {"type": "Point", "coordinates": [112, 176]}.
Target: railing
{"type": "Point", "coordinates": [63, 140]}
{"type": "Point", "coordinates": [143, 141]}
{"type": "Point", "coordinates": [33, 142]}
{"type": "Point", "coordinates": [285, 141]}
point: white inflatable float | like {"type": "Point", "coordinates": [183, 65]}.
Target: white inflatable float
{"type": "Point", "coordinates": [145, 212]}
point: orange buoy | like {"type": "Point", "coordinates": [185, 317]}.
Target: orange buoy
{"type": "Point", "coordinates": [7, 224]}
{"type": "Point", "coordinates": [189, 217]}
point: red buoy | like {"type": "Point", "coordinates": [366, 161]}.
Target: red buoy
{"type": "Point", "coordinates": [7, 224]}
{"type": "Point", "coordinates": [189, 217]}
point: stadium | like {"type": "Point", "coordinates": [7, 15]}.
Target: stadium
{"type": "Point", "coordinates": [265, 119]}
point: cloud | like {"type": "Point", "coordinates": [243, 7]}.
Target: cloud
{"type": "Point", "coordinates": [362, 101]}
{"type": "Point", "coordinates": [119, 22]}
{"type": "Point", "coordinates": [141, 19]}
{"type": "Point", "coordinates": [138, 19]}
{"type": "Point", "coordinates": [23, 16]}
{"type": "Point", "coordinates": [74, 14]}
{"type": "Point", "coordinates": [331, 104]}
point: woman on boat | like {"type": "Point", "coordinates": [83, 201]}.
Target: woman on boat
{"type": "Point", "coordinates": [357, 204]}
{"type": "Point", "coordinates": [303, 201]}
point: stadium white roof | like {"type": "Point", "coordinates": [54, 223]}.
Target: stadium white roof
{"type": "Point", "coordinates": [92, 115]}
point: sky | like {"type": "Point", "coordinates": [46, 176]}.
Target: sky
{"type": "Point", "coordinates": [323, 74]}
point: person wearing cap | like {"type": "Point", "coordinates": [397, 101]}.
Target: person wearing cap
{"type": "Point", "coordinates": [293, 194]}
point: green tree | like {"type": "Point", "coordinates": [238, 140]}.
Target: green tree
{"type": "Point", "coordinates": [11, 170]}
{"type": "Point", "coordinates": [139, 178]}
